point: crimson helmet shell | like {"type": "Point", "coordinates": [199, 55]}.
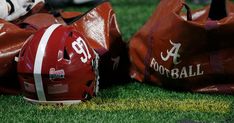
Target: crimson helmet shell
{"type": "Point", "coordinates": [56, 65]}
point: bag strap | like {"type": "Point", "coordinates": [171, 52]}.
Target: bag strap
{"type": "Point", "coordinates": [189, 15]}
{"type": "Point", "coordinates": [218, 9]}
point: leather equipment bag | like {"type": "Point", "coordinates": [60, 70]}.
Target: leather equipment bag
{"type": "Point", "coordinates": [186, 52]}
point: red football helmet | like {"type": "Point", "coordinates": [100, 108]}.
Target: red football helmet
{"type": "Point", "coordinates": [57, 66]}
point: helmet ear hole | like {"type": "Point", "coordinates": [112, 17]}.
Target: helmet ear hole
{"type": "Point", "coordinates": [66, 55]}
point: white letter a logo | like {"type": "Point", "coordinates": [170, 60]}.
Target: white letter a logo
{"type": "Point", "coordinates": [173, 53]}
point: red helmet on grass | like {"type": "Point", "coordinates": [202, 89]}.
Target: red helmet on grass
{"type": "Point", "coordinates": [56, 65]}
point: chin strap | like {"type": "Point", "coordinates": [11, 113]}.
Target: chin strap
{"type": "Point", "coordinates": [189, 15]}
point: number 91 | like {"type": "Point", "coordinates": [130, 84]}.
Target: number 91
{"type": "Point", "coordinates": [81, 48]}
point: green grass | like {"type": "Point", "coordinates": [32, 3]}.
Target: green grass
{"type": "Point", "coordinates": [133, 102]}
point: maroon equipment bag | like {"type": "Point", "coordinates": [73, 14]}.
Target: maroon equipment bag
{"type": "Point", "coordinates": [191, 52]}
{"type": "Point", "coordinates": [100, 27]}
{"type": "Point", "coordinates": [11, 40]}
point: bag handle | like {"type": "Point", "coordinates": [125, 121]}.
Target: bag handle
{"type": "Point", "coordinates": [218, 9]}
{"type": "Point", "coordinates": [189, 15]}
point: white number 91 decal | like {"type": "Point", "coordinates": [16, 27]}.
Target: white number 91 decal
{"type": "Point", "coordinates": [81, 48]}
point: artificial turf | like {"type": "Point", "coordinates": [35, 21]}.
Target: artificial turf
{"type": "Point", "coordinates": [131, 102]}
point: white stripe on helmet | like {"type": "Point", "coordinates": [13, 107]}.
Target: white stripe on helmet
{"type": "Point", "coordinates": [39, 60]}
